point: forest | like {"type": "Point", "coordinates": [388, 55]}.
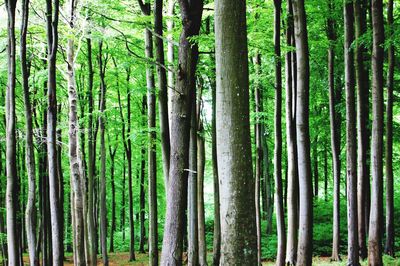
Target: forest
{"type": "Point", "coordinates": [199, 132]}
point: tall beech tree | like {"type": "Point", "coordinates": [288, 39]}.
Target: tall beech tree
{"type": "Point", "coordinates": [376, 216]}
{"type": "Point", "coordinates": [11, 155]}
{"type": "Point", "coordinates": [389, 245]}
{"type": "Point", "coordinates": [351, 152]}
{"type": "Point", "coordinates": [304, 251]}
{"type": "Point", "coordinates": [280, 217]}
{"type": "Point", "coordinates": [238, 225]}
{"type": "Point", "coordinates": [362, 79]}
{"type": "Point", "coordinates": [182, 98]}
{"type": "Point", "coordinates": [52, 10]}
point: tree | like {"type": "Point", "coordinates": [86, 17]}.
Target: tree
{"type": "Point", "coordinates": [389, 246]}
{"type": "Point", "coordinates": [376, 216]}
{"type": "Point", "coordinates": [304, 251]}
{"type": "Point", "coordinates": [292, 177]}
{"type": "Point", "coordinates": [335, 122]}
{"type": "Point", "coordinates": [362, 79]}
{"type": "Point", "coordinates": [351, 152]}
{"type": "Point", "coordinates": [30, 212]}
{"type": "Point", "coordinates": [280, 217]}
{"type": "Point", "coordinates": [52, 45]}
{"type": "Point", "coordinates": [11, 168]}
{"type": "Point", "coordinates": [180, 118]}
{"type": "Point", "coordinates": [238, 225]}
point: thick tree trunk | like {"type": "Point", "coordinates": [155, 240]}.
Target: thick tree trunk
{"type": "Point", "coordinates": [102, 188]}
{"type": "Point", "coordinates": [217, 220]}
{"type": "Point", "coordinates": [52, 43]}
{"type": "Point", "coordinates": [292, 190]}
{"type": "Point", "coordinates": [91, 225]}
{"type": "Point", "coordinates": [389, 246]}
{"type": "Point", "coordinates": [304, 251]}
{"type": "Point", "coordinates": [376, 216]}
{"type": "Point", "coordinates": [30, 211]}
{"type": "Point", "coordinates": [11, 156]}
{"type": "Point", "coordinates": [360, 7]}
{"type": "Point", "coordinates": [335, 121]}
{"type": "Point", "coordinates": [182, 98]}
{"type": "Point", "coordinates": [280, 216]}
{"type": "Point", "coordinates": [238, 223]}
{"type": "Point", "coordinates": [351, 142]}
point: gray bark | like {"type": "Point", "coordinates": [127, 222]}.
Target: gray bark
{"type": "Point", "coordinates": [238, 223]}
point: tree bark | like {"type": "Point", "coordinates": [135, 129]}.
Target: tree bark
{"type": "Point", "coordinates": [280, 216]}
{"type": "Point", "coordinates": [389, 246]}
{"type": "Point", "coordinates": [30, 211]}
{"type": "Point", "coordinates": [304, 251]}
{"type": "Point", "coordinates": [182, 98]}
{"type": "Point", "coordinates": [11, 157]}
{"type": "Point", "coordinates": [91, 225]}
{"type": "Point", "coordinates": [376, 216]}
{"type": "Point", "coordinates": [113, 200]}
{"type": "Point", "coordinates": [238, 223]}
{"type": "Point", "coordinates": [163, 89]}
{"type": "Point", "coordinates": [170, 59]}
{"type": "Point", "coordinates": [315, 166]}
{"type": "Point", "coordinates": [102, 189]}
{"type": "Point", "coordinates": [142, 198]}
{"type": "Point", "coordinates": [52, 43]}
{"type": "Point", "coordinates": [351, 142]}
{"type": "Point", "coordinates": [292, 191]}
{"type": "Point", "coordinates": [360, 7]}
{"type": "Point", "coordinates": [335, 121]}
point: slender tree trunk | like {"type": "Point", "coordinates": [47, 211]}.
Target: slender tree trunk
{"type": "Point", "coordinates": [389, 246]}
{"type": "Point", "coordinates": [163, 89]}
{"type": "Point", "coordinates": [30, 211]}
{"type": "Point", "coordinates": [292, 190]}
{"type": "Point", "coordinates": [11, 157]}
{"type": "Point", "coordinates": [304, 251]}
{"type": "Point", "coordinates": [351, 142]}
{"type": "Point", "coordinates": [201, 159]}
{"type": "Point", "coordinates": [217, 221]}
{"type": "Point", "coordinates": [335, 120]}
{"type": "Point", "coordinates": [315, 166]}
{"type": "Point", "coordinates": [326, 172]}
{"type": "Point", "coordinates": [238, 223]}
{"type": "Point", "coordinates": [142, 199]}
{"type": "Point", "coordinates": [362, 118]}
{"type": "Point", "coordinates": [182, 98]}
{"type": "Point", "coordinates": [113, 200]}
{"type": "Point", "coordinates": [170, 59]}
{"type": "Point", "coordinates": [102, 122]}
{"type": "Point", "coordinates": [52, 43]}
{"type": "Point", "coordinates": [193, 236]}
{"type": "Point", "coordinates": [376, 216]}
{"type": "Point", "coordinates": [91, 225]}
{"type": "Point", "coordinates": [280, 216]}
{"type": "Point", "coordinates": [123, 200]}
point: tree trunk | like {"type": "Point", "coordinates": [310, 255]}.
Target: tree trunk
{"type": "Point", "coordinates": [30, 212]}
{"type": "Point", "coordinates": [351, 142]}
{"type": "Point", "coordinates": [182, 98]}
{"type": "Point", "coordinates": [52, 43]}
{"type": "Point", "coordinates": [201, 160]}
{"type": "Point", "coordinates": [389, 246]}
{"type": "Point", "coordinates": [143, 197]}
{"type": "Point", "coordinates": [280, 216]}
{"type": "Point", "coordinates": [113, 201]}
{"type": "Point", "coordinates": [360, 7]}
{"type": "Point", "coordinates": [335, 120]}
{"type": "Point", "coordinates": [304, 251]}
{"type": "Point", "coordinates": [217, 220]}
{"type": "Point", "coordinates": [11, 158]}
{"type": "Point", "coordinates": [315, 166]}
{"type": "Point", "coordinates": [292, 190]}
{"type": "Point", "coordinates": [326, 172]}
{"type": "Point", "coordinates": [376, 216]}
{"type": "Point", "coordinates": [91, 225]}
{"type": "Point", "coordinates": [170, 59]}
{"type": "Point", "coordinates": [163, 89]}
{"type": "Point", "coordinates": [102, 188]}
{"type": "Point", "coordinates": [238, 223]}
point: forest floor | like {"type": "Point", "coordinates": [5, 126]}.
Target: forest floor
{"type": "Point", "coordinates": [121, 259]}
